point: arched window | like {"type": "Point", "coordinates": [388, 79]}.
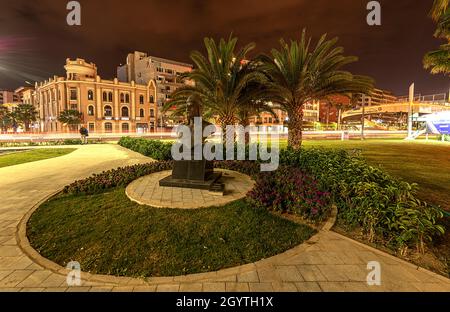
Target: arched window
{"type": "Point", "coordinates": [90, 95]}
{"type": "Point", "coordinates": [108, 111]}
{"type": "Point", "coordinates": [110, 97]}
{"type": "Point", "coordinates": [141, 99]}
{"type": "Point", "coordinates": [125, 127]}
{"type": "Point", "coordinates": [108, 127]}
{"type": "Point", "coordinates": [152, 99]}
{"type": "Point", "coordinates": [141, 112]}
{"type": "Point", "coordinates": [127, 98]}
{"type": "Point", "coordinates": [105, 97]}
{"type": "Point", "coordinates": [152, 113]}
{"type": "Point", "coordinates": [122, 98]}
{"type": "Point", "coordinates": [91, 110]}
{"type": "Point", "coordinates": [124, 111]}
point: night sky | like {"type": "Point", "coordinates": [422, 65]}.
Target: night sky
{"type": "Point", "coordinates": [35, 39]}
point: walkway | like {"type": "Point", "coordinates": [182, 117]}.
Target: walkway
{"type": "Point", "coordinates": [327, 262]}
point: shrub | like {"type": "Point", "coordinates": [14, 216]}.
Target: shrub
{"type": "Point", "coordinates": [291, 190]}
{"type": "Point", "coordinates": [99, 183]}
{"type": "Point", "coordinates": [155, 149]}
{"type": "Point", "coordinates": [384, 207]}
{"type": "Point", "coordinates": [250, 168]}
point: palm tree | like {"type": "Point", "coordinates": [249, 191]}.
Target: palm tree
{"type": "Point", "coordinates": [438, 61]}
{"type": "Point", "coordinates": [298, 74]}
{"type": "Point", "coordinates": [70, 118]}
{"type": "Point", "coordinates": [221, 80]}
{"type": "Point", "coordinates": [25, 114]}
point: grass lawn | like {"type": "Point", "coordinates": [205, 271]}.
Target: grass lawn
{"type": "Point", "coordinates": [109, 234]}
{"type": "Point", "coordinates": [32, 155]}
{"type": "Point", "coordinates": [421, 162]}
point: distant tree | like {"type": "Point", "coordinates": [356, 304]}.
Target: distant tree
{"type": "Point", "coordinates": [6, 120]}
{"type": "Point", "coordinates": [71, 118]}
{"type": "Point", "coordinates": [438, 61]}
{"type": "Point", "coordinates": [25, 114]}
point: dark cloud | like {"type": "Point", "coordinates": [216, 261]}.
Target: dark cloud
{"type": "Point", "coordinates": [391, 53]}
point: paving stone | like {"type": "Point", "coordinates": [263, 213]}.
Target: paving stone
{"type": "Point", "coordinates": [191, 287]}
{"type": "Point", "coordinates": [308, 287]}
{"type": "Point", "coordinates": [288, 273]}
{"type": "Point", "coordinates": [16, 277]}
{"type": "Point", "coordinates": [35, 279]}
{"type": "Point", "coordinates": [284, 287]}
{"type": "Point", "coordinates": [236, 287]}
{"type": "Point", "coordinates": [260, 287]}
{"type": "Point", "coordinates": [251, 276]}
{"type": "Point", "coordinates": [214, 287]}
{"type": "Point", "coordinates": [311, 273]}
{"type": "Point", "coordinates": [168, 288]}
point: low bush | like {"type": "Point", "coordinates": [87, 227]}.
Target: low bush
{"type": "Point", "coordinates": [444, 137]}
{"type": "Point", "coordinates": [291, 190]}
{"type": "Point", "coordinates": [384, 207]}
{"type": "Point", "coordinates": [155, 149]}
{"type": "Point", "coordinates": [101, 182]}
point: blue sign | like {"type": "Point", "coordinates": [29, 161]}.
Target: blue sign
{"type": "Point", "coordinates": [443, 126]}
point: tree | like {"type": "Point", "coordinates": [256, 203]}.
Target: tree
{"type": "Point", "coordinates": [71, 118]}
{"type": "Point", "coordinates": [220, 79]}
{"type": "Point", "coordinates": [25, 114]}
{"type": "Point", "coordinates": [6, 120]}
{"type": "Point", "coordinates": [438, 61]}
{"type": "Point", "coordinates": [298, 74]}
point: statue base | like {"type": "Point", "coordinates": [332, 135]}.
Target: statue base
{"type": "Point", "coordinates": [196, 174]}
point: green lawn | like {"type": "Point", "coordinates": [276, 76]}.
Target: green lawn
{"type": "Point", "coordinates": [421, 162]}
{"type": "Point", "coordinates": [17, 158]}
{"type": "Point", "coordinates": [109, 234]}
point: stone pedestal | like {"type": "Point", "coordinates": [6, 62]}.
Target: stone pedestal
{"type": "Point", "coordinates": [196, 174]}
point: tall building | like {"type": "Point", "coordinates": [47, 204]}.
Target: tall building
{"type": "Point", "coordinates": [9, 97]}
{"type": "Point", "coordinates": [106, 105]}
{"type": "Point", "coordinates": [143, 68]}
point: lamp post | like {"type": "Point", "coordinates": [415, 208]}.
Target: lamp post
{"type": "Point", "coordinates": [411, 100]}
{"type": "Point", "coordinates": [362, 115]}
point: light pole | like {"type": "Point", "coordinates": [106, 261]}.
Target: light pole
{"type": "Point", "coordinates": [411, 100]}
{"type": "Point", "coordinates": [362, 115]}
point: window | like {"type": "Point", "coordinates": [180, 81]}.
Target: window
{"type": "Point", "coordinates": [127, 98]}
{"type": "Point", "coordinates": [152, 113]}
{"type": "Point", "coordinates": [110, 97]}
{"type": "Point", "coordinates": [141, 112]}
{"type": "Point", "coordinates": [152, 99]}
{"type": "Point", "coordinates": [159, 69]}
{"type": "Point", "coordinates": [122, 97]}
{"type": "Point", "coordinates": [73, 106]}
{"type": "Point", "coordinates": [73, 94]}
{"type": "Point", "coordinates": [124, 111]}
{"type": "Point", "coordinates": [108, 127]}
{"type": "Point", "coordinates": [141, 99]}
{"type": "Point", "coordinates": [108, 111]}
{"type": "Point", "coordinates": [90, 95]}
{"type": "Point", "coordinates": [91, 127]}
{"type": "Point", "coordinates": [125, 127]}
{"type": "Point", "coordinates": [91, 110]}
{"type": "Point", "coordinates": [105, 97]}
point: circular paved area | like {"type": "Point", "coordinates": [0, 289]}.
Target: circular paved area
{"type": "Point", "coordinates": [146, 191]}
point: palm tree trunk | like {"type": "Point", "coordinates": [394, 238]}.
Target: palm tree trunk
{"type": "Point", "coordinates": [295, 128]}
{"type": "Point", "coordinates": [224, 122]}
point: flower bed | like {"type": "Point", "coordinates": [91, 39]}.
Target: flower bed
{"type": "Point", "coordinates": [385, 208]}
